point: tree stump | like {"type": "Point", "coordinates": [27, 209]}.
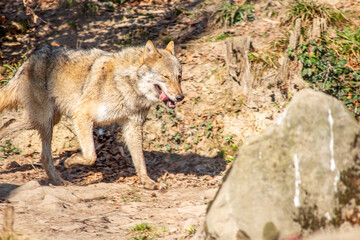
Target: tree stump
{"type": "Point", "coordinates": [289, 75]}
{"type": "Point", "coordinates": [237, 63]}
{"type": "Point", "coordinates": [318, 27]}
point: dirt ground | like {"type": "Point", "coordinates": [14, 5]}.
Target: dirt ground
{"type": "Point", "coordinates": [188, 150]}
{"type": "Point", "coordinates": [111, 211]}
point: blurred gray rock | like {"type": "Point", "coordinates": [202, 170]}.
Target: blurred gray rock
{"type": "Point", "coordinates": [31, 193]}
{"type": "Point", "coordinates": [349, 234]}
{"type": "Point", "coordinates": [286, 179]}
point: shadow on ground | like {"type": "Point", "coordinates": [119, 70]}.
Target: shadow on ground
{"type": "Point", "coordinates": [5, 190]}
{"type": "Point", "coordinates": [108, 168]}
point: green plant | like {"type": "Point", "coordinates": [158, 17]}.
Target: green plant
{"type": "Point", "coordinates": [232, 13]}
{"type": "Point", "coordinates": [142, 227]}
{"type": "Point", "coordinates": [143, 237]}
{"type": "Point", "coordinates": [90, 8]}
{"type": "Point", "coordinates": [191, 229]}
{"type": "Point", "coordinates": [187, 146]}
{"type": "Point", "coordinates": [208, 39]}
{"type": "Point", "coordinates": [145, 231]}
{"type": "Point", "coordinates": [229, 159]}
{"type": "Point", "coordinates": [9, 149]}
{"type": "Point", "coordinates": [276, 104]}
{"type": "Point", "coordinates": [68, 3]}
{"type": "Point", "coordinates": [347, 43]}
{"type": "Point", "coordinates": [9, 70]}
{"type": "Point", "coordinates": [209, 128]}
{"type": "Point", "coordinates": [222, 36]}
{"type": "Point", "coordinates": [268, 59]}
{"type": "Point", "coordinates": [280, 44]}
{"type": "Point", "coordinates": [324, 69]}
{"type": "Point", "coordinates": [177, 138]}
{"type": "Point", "coordinates": [229, 139]}
{"type": "Point", "coordinates": [131, 196]}
{"type": "Point", "coordinates": [229, 153]}
{"type": "Point", "coordinates": [196, 100]}
{"type": "Point", "coordinates": [73, 24]}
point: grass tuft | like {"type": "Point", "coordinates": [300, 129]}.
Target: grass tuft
{"type": "Point", "coordinates": [142, 227]}
{"type": "Point", "coordinates": [145, 232]}
{"type": "Point", "coordinates": [232, 14]}
{"type": "Point", "coordinates": [308, 10]}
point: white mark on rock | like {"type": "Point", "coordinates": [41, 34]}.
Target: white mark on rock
{"type": "Point", "coordinates": [332, 160]}
{"type": "Point", "coordinates": [260, 155]}
{"type": "Point", "coordinates": [281, 118]}
{"type": "Point", "coordinates": [333, 167]}
{"type": "Point", "coordinates": [297, 181]}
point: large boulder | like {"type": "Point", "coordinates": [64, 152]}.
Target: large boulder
{"type": "Point", "coordinates": [288, 179]}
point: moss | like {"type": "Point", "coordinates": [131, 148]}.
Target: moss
{"type": "Point", "coordinates": [309, 219]}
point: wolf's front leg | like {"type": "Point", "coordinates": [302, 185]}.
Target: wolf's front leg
{"type": "Point", "coordinates": [84, 131]}
{"type": "Point", "coordinates": [132, 132]}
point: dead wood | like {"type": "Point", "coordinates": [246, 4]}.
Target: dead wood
{"type": "Point", "coordinates": [289, 75]}
{"type": "Point", "coordinates": [237, 63]}
{"type": "Point", "coordinates": [318, 27]}
{"type": "Point", "coordinates": [8, 224]}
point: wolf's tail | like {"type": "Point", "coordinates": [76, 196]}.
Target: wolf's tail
{"type": "Point", "coordinates": [9, 98]}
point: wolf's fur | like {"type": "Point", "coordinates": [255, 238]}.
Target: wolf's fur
{"type": "Point", "coordinates": [92, 87]}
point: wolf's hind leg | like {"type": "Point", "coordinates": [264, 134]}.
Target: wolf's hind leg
{"type": "Point", "coordinates": [45, 132]}
{"type": "Point", "coordinates": [13, 126]}
{"type": "Point", "coordinates": [84, 131]}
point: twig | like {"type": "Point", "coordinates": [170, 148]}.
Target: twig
{"type": "Point", "coordinates": [31, 12]}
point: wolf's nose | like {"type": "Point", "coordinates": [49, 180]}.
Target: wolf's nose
{"type": "Point", "coordinates": [179, 98]}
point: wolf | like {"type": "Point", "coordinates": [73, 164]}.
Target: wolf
{"type": "Point", "coordinates": [92, 87]}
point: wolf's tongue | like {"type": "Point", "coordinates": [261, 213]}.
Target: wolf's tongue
{"type": "Point", "coordinates": [163, 97]}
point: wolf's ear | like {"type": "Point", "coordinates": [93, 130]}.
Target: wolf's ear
{"type": "Point", "coordinates": [150, 50]}
{"type": "Point", "coordinates": [170, 48]}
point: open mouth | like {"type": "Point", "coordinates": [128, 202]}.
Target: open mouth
{"type": "Point", "coordinates": [164, 98]}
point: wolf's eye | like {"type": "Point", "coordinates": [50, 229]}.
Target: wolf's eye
{"type": "Point", "coordinates": [165, 76]}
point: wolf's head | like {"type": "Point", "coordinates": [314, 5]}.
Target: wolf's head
{"type": "Point", "coordinates": [160, 75]}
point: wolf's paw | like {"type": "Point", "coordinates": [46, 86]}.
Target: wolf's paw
{"type": "Point", "coordinates": [78, 159]}
{"type": "Point", "coordinates": [71, 161]}
{"type": "Point", "coordinates": [66, 183]}
{"type": "Point", "coordinates": [149, 184]}
{"type": "Point", "coordinates": [60, 182]}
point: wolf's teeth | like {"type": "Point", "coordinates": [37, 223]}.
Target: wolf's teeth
{"type": "Point", "coordinates": [170, 104]}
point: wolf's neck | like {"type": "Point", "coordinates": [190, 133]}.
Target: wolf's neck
{"type": "Point", "coordinates": [130, 57]}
